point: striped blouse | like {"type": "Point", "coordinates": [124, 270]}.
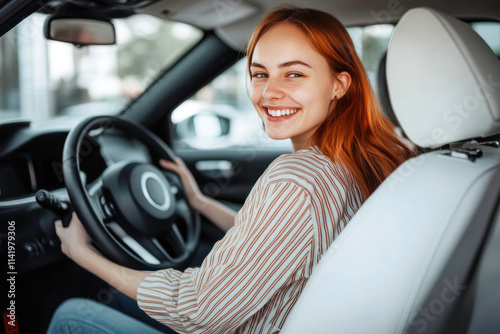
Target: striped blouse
{"type": "Point", "coordinates": [254, 275]}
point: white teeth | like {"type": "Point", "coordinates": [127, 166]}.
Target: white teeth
{"type": "Point", "coordinates": [278, 113]}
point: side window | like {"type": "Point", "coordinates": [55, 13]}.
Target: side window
{"type": "Point", "coordinates": [371, 44]}
{"type": "Point", "coordinates": [221, 116]}
{"type": "Point", "coordinates": [490, 32]}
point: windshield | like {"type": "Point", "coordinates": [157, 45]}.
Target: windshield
{"type": "Point", "coordinates": [42, 80]}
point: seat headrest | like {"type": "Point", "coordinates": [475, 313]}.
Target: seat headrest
{"type": "Point", "coordinates": [443, 79]}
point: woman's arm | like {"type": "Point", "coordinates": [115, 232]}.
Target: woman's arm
{"type": "Point", "coordinates": [75, 243]}
{"type": "Point", "coordinates": [251, 263]}
{"type": "Point", "coordinates": [216, 212]}
{"type": "Point", "coordinates": [270, 250]}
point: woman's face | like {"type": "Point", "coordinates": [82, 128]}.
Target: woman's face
{"type": "Point", "coordinates": [292, 85]}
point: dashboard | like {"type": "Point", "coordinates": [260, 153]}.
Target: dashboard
{"type": "Point", "coordinates": [30, 160]}
{"type": "Point", "coordinates": [33, 165]}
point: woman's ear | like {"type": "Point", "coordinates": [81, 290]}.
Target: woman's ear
{"type": "Point", "coordinates": [342, 83]}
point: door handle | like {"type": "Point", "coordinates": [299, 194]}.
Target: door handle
{"type": "Point", "coordinates": [215, 168]}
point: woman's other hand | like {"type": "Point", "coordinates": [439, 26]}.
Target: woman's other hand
{"type": "Point", "coordinates": [74, 239]}
{"type": "Point", "coordinates": [193, 193]}
{"type": "Point", "coordinates": [76, 244]}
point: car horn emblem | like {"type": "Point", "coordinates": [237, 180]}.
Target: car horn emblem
{"type": "Point", "coordinates": [155, 191]}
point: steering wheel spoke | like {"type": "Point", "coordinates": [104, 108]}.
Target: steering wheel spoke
{"type": "Point", "coordinates": [153, 250]}
{"type": "Point", "coordinates": [137, 247]}
{"type": "Point", "coordinates": [100, 205]}
{"type": "Point", "coordinates": [176, 241]}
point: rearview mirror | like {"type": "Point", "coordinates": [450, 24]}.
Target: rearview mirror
{"type": "Point", "coordinates": [80, 31]}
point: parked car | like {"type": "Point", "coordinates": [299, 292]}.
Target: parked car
{"type": "Point", "coordinates": [213, 125]}
{"type": "Point", "coordinates": [181, 66]}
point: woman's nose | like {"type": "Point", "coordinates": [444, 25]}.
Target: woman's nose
{"type": "Point", "coordinates": [273, 90]}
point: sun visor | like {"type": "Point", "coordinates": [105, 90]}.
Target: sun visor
{"type": "Point", "coordinates": [205, 14]}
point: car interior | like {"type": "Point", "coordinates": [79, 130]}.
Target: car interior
{"type": "Point", "coordinates": [420, 256]}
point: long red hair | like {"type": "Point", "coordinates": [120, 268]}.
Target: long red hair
{"type": "Point", "coordinates": [355, 133]}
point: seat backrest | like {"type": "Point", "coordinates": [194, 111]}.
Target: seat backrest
{"type": "Point", "coordinates": [376, 275]}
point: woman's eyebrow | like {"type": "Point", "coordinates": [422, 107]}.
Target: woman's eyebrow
{"type": "Point", "coordinates": [257, 65]}
{"type": "Point", "coordinates": [292, 63]}
{"type": "Point", "coordinates": [285, 64]}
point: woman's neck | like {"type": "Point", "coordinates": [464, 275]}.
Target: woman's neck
{"type": "Point", "coordinates": [300, 143]}
{"type": "Point", "coordinates": [300, 146]}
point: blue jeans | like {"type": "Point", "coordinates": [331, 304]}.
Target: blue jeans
{"type": "Point", "coordinates": [79, 316]}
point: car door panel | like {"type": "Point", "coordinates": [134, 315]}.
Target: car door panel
{"type": "Point", "coordinates": [228, 175]}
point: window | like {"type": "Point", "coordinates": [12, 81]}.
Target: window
{"type": "Point", "coordinates": [490, 32]}
{"type": "Point", "coordinates": [371, 43]}
{"type": "Point", "coordinates": [42, 80]}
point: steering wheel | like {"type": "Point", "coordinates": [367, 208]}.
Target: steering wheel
{"type": "Point", "coordinates": [134, 212]}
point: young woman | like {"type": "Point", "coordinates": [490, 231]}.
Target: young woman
{"type": "Point", "coordinates": [307, 84]}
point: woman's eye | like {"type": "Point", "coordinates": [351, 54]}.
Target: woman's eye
{"type": "Point", "coordinates": [259, 75]}
{"type": "Point", "coordinates": [295, 75]}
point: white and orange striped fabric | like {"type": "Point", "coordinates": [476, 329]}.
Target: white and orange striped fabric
{"type": "Point", "coordinates": [253, 276]}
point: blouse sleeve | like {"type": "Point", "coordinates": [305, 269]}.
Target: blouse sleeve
{"type": "Point", "coordinates": [269, 247]}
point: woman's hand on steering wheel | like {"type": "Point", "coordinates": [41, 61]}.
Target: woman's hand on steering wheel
{"type": "Point", "coordinates": [74, 238]}
{"type": "Point", "coordinates": [192, 191]}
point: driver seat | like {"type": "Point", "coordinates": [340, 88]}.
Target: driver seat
{"type": "Point", "coordinates": [407, 261]}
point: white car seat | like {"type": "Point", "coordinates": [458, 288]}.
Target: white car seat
{"type": "Point", "coordinates": [405, 261]}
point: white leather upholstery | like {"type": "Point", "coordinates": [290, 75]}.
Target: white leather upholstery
{"type": "Point", "coordinates": [443, 80]}
{"type": "Point", "coordinates": [378, 272]}
{"type": "Point", "coordinates": [381, 267]}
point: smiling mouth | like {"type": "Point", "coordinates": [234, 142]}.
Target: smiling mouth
{"type": "Point", "coordinates": [281, 112]}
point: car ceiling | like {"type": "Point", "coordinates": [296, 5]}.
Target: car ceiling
{"type": "Point", "coordinates": [234, 20]}
{"type": "Point", "coordinates": [217, 13]}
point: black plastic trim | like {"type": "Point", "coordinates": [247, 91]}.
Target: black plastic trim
{"type": "Point", "coordinates": [17, 10]}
